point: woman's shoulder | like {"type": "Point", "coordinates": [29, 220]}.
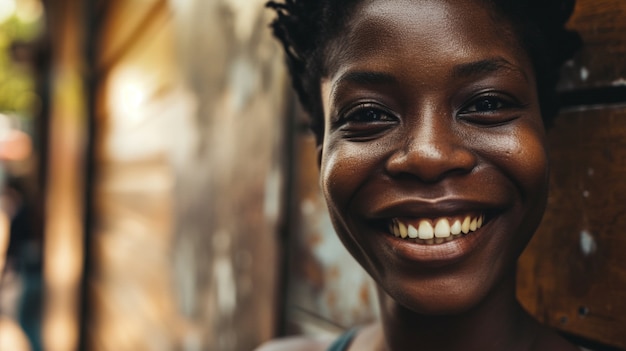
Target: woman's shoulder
{"type": "Point", "coordinates": [296, 344]}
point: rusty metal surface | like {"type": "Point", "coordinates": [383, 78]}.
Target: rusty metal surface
{"type": "Point", "coordinates": [602, 27]}
{"type": "Point", "coordinates": [570, 277]}
{"type": "Point", "coordinates": [572, 274]}
{"type": "Point", "coordinates": [328, 290]}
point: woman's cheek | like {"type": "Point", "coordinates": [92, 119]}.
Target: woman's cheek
{"type": "Point", "coordinates": [523, 158]}
{"type": "Point", "coordinates": [337, 174]}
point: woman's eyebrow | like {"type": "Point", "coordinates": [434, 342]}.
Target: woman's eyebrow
{"type": "Point", "coordinates": [363, 78]}
{"type": "Point", "coordinates": [486, 66]}
{"type": "Point", "coordinates": [464, 70]}
{"type": "Point", "coordinates": [366, 77]}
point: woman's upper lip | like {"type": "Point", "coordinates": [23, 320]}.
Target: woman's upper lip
{"type": "Point", "coordinates": [411, 207]}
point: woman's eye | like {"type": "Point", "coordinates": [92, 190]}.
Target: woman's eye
{"type": "Point", "coordinates": [485, 104]}
{"type": "Point", "coordinates": [490, 110]}
{"type": "Point", "coordinates": [365, 122]}
{"type": "Point", "coordinates": [368, 115]}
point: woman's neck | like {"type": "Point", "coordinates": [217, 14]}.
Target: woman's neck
{"type": "Point", "coordinates": [496, 323]}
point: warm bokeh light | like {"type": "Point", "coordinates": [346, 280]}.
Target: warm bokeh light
{"type": "Point", "coordinates": [15, 146]}
{"type": "Point", "coordinates": [29, 10]}
{"type": "Point", "coordinates": [12, 338]}
{"type": "Point", "coordinates": [25, 10]}
{"type": "Point", "coordinates": [7, 8]}
{"type": "Point", "coordinates": [129, 91]}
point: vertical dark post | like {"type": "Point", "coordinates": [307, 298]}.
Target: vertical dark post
{"type": "Point", "coordinates": [93, 14]}
{"type": "Point", "coordinates": [287, 224]}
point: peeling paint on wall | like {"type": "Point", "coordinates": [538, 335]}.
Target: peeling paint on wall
{"type": "Point", "coordinates": [588, 244]}
{"type": "Point", "coordinates": [329, 290]}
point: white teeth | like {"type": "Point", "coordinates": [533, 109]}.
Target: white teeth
{"type": "Point", "coordinates": [442, 232]}
{"type": "Point", "coordinates": [473, 224]}
{"type": "Point", "coordinates": [442, 229]}
{"type": "Point", "coordinates": [425, 230]}
{"type": "Point", "coordinates": [394, 228]}
{"type": "Point", "coordinates": [465, 227]}
{"type": "Point", "coordinates": [456, 228]}
{"type": "Point", "coordinates": [403, 232]}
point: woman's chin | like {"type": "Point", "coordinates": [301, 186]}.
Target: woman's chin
{"type": "Point", "coordinates": [437, 306]}
{"type": "Point", "coordinates": [438, 301]}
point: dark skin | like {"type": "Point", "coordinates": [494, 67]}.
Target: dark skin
{"type": "Point", "coordinates": [432, 115]}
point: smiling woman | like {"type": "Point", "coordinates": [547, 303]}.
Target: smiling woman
{"type": "Point", "coordinates": [429, 117]}
{"type": "Point", "coordinates": [431, 161]}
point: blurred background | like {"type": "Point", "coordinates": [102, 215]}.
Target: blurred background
{"type": "Point", "coordinates": [158, 185]}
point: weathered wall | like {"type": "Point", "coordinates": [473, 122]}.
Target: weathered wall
{"type": "Point", "coordinates": [602, 27]}
{"type": "Point", "coordinates": [229, 183]}
{"type": "Point", "coordinates": [328, 290]}
{"type": "Point", "coordinates": [141, 111]}
{"type": "Point", "coordinates": [572, 275]}
{"type": "Point", "coordinates": [189, 187]}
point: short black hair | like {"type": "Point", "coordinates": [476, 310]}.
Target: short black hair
{"type": "Point", "coordinates": [306, 29]}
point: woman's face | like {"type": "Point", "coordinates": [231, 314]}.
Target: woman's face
{"type": "Point", "coordinates": [434, 160]}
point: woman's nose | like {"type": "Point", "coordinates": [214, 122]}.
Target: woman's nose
{"type": "Point", "coordinates": [432, 152]}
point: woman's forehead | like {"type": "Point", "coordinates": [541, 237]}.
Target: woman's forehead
{"type": "Point", "coordinates": [402, 30]}
{"type": "Point", "coordinates": [431, 20]}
